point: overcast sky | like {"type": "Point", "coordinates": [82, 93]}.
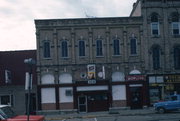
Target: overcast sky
{"type": "Point", "coordinates": [17, 29]}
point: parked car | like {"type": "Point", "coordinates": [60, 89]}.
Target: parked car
{"type": "Point", "coordinates": [171, 103]}
{"type": "Point", "coordinates": [7, 114]}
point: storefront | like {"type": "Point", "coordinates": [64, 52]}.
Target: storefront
{"type": "Point", "coordinates": [160, 86]}
{"type": "Point", "coordinates": [136, 91]}
{"type": "Point", "coordinates": [93, 101]}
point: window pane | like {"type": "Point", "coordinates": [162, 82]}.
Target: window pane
{"type": "Point", "coordinates": [133, 46]}
{"type": "Point", "coordinates": [177, 58]}
{"type": "Point", "coordinates": [155, 28]}
{"type": "Point", "coordinates": [154, 18]}
{"type": "Point", "coordinates": [116, 47]}
{"type": "Point", "coordinates": [64, 49]}
{"type": "Point", "coordinates": [46, 49]}
{"type": "Point", "coordinates": [5, 100]}
{"type": "Point", "coordinates": [175, 17]}
{"type": "Point", "coordinates": [156, 58]}
{"type": "Point", "coordinates": [175, 28]}
{"type": "Point", "coordinates": [81, 48]}
{"type": "Point", "coordinates": [99, 48]}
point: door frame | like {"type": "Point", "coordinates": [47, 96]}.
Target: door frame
{"type": "Point", "coordinates": [80, 96]}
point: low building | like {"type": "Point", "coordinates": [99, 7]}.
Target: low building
{"type": "Point", "coordinates": [12, 80]}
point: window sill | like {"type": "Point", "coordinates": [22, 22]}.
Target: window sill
{"type": "Point", "coordinates": [176, 35]}
{"type": "Point", "coordinates": [116, 55]}
{"type": "Point", "coordinates": [47, 58]}
{"type": "Point", "coordinates": [133, 55]}
{"type": "Point", "coordinates": [155, 36]}
{"type": "Point", "coordinates": [65, 58]}
{"type": "Point", "coordinates": [99, 56]}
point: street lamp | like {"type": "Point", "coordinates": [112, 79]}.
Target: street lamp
{"type": "Point", "coordinates": [30, 62]}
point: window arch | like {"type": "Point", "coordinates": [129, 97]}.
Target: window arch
{"type": "Point", "coordinates": [99, 48]}
{"type": "Point", "coordinates": [46, 49]}
{"type": "Point", "coordinates": [116, 47]}
{"type": "Point", "coordinates": [156, 57]}
{"type": "Point", "coordinates": [81, 48]}
{"type": "Point", "coordinates": [175, 23]}
{"type": "Point", "coordinates": [64, 48]}
{"type": "Point", "coordinates": [177, 57]}
{"type": "Point", "coordinates": [133, 46]}
{"type": "Point", "coordinates": [154, 24]}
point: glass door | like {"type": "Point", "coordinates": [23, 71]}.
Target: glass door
{"type": "Point", "coordinates": [82, 104]}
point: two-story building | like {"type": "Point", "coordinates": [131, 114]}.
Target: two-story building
{"type": "Point", "coordinates": [12, 80]}
{"type": "Point", "coordinates": [93, 64]}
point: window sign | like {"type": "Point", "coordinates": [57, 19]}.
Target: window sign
{"type": "Point", "coordinates": [91, 71]}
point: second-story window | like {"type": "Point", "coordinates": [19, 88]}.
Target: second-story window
{"type": "Point", "coordinates": [175, 24]}
{"type": "Point", "coordinates": [64, 51]}
{"type": "Point", "coordinates": [154, 24]}
{"type": "Point", "coordinates": [46, 49]}
{"type": "Point", "coordinates": [133, 46]}
{"type": "Point", "coordinates": [116, 47]}
{"type": "Point", "coordinates": [81, 48]}
{"type": "Point", "coordinates": [99, 51]}
{"type": "Point", "coordinates": [177, 57]}
{"type": "Point", "coordinates": [156, 58]}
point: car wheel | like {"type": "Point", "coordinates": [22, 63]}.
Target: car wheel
{"type": "Point", "coordinates": [161, 110]}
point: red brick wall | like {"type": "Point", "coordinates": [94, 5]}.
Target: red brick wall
{"type": "Point", "coordinates": [66, 106]}
{"type": "Point", "coordinates": [48, 106]}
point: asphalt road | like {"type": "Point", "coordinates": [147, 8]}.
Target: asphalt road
{"type": "Point", "coordinates": [175, 116]}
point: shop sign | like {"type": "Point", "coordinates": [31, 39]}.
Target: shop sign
{"type": "Point", "coordinates": [172, 78]}
{"type": "Point", "coordinates": [135, 78]}
{"type": "Point", "coordinates": [91, 81]}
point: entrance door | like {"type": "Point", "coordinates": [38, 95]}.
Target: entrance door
{"type": "Point", "coordinates": [135, 97]}
{"type": "Point", "coordinates": [82, 103]}
{"type": "Point", "coordinates": [97, 102]}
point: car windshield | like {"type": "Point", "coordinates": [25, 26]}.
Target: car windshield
{"type": "Point", "coordinates": [7, 112]}
{"type": "Point", "coordinates": [170, 98]}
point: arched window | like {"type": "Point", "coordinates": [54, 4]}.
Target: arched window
{"type": "Point", "coordinates": [46, 49]}
{"type": "Point", "coordinates": [99, 48]}
{"type": "Point", "coordinates": [177, 57]}
{"type": "Point", "coordinates": [156, 57]}
{"type": "Point", "coordinates": [81, 48]}
{"type": "Point", "coordinates": [133, 46]}
{"type": "Point", "coordinates": [64, 49]}
{"type": "Point", "coordinates": [154, 24]}
{"type": "Point", "coordinates": [175, 24]}
{"type": "Point", "coordinates": [116, 47]}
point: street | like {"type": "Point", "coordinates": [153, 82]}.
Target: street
{"type": "Point", "coordinates": [173, 116]}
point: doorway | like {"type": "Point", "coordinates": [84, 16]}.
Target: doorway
{"type": "Point", "coordinates": [136, 97]}
{"type": "Point", "coordinates": [82, 104]}
{"type": "Point", "coordinates": [98, 102]}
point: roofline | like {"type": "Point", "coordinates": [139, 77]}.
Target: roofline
{"type": "Point", "coordinates": [84, 18]}
{"type": "Point", "coordinates": [134, 7]}
{"type": "Point", "coordinates": [19, 50]}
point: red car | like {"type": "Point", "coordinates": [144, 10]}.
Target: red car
{"type": "Point", "coordinates": [7, 114]}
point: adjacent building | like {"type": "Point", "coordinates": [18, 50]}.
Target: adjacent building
{"type": "Point", "coordinates": [94, 64]}
{"type": "Point", "coordinates": [12, 80]}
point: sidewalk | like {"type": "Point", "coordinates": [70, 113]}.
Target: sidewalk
{"type": "Point", "coordinates": [125, 112]}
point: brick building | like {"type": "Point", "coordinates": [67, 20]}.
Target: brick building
{"type": "Point", "coordinates": [12, 80]}
{"type": "Point", "coordinates": [93, 64]}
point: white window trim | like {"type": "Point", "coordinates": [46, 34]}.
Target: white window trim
{"type": "Point", "coordinates": [10, 96]}
{"type": "Point", "coordinates": [173, 27]}
{"type": "Point", "coordinates": [152, 28]}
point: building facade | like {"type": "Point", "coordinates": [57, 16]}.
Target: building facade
{"type": "Point", "coordinates": [94, 64]}
{"type": "Point", "coordinates": [12, 80]}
